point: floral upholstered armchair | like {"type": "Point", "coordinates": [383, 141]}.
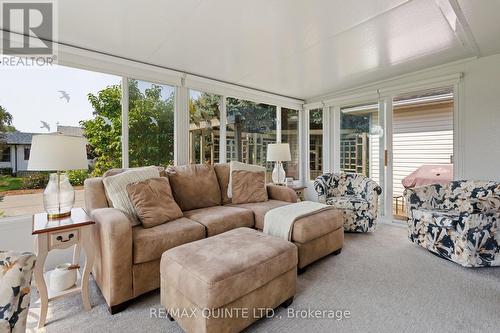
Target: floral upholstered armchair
{"type": "Point", "coordinates": [459, 221]}
{"type": "Point", "coordinates": [15, 279]}
{"type": "Point", "coordinates": [355, 194]}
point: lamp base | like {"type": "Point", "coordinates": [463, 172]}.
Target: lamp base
{"type": "Point", "coordinates": [58, 216]}
{"type": "Point", "coordinates": [279, 174]}
{"type": "Point", "coordinates": [58, 197]}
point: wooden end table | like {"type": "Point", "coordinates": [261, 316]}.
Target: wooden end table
{"type": "Point", "coordinates": [299, 190]}
{"type": "Point", "coordinates": [50, 234]}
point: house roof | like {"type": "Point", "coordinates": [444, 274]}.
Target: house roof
{"type": "Point", "coordinates": [70, 130]}
{"type": "Point", "coordinates": [18, 138]}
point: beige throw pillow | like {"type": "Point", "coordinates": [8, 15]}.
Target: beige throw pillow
{"type": "Point", "coordinates": [249, 186]}
{"type": "Point", "coordinates": [234, 166]}
{"type": "Point", "coordinates": [116, 189]}
{"type": "Point", "coordinates": [153, 201]}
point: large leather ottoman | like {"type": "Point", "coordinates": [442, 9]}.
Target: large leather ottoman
{"type": "Point", "coordinates": [223, 283]}
{"type": "Point", "coordinates": [318, 235]}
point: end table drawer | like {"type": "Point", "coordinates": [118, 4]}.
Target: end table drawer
{"type": "Point", "coordinates": [64, 238]}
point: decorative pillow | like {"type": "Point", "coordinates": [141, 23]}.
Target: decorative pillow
{"type": "Point", "coordinates": [249, 186]}
{"type": "Point", "coordinates": [194, 186]}
{"type": "Point", "coordinates": [234, 165]}
{"type": "Point", "coordinates": [153, 201]}
{"type": "Point", "coordinates": [116, 189]}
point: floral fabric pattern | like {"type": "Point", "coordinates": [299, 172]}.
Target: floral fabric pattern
{"type": "Point", "coordinates": [458, 221]}
{"type": "Point", "coordinates": [15, 279]}
{"type": "Point", "coordinates": [355, 194]}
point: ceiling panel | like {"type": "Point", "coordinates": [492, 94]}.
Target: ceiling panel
{"type": "Point", "coordinates": [291, 47]}
{"type": "Point", "coordinates": [484, 20]}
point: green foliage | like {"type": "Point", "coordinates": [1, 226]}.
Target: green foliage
{"type": "Point", "coordinates": [9, 183]}
{"type": "Point", "coordinates": [5, 125]}
{"type": "Point", "coordinates": [105, 139]}
{"type": "Point", "coordinates": [37, 180]}
{"type": "Point", "coordinates": [255, 118]}
{"type": "Point", "coordinates": [151, 127]}
{"type": "Point", "coordinates": [77, 177]}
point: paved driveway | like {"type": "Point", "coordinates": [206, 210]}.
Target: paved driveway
{"type": "Point", "coordinates": [29, 204]}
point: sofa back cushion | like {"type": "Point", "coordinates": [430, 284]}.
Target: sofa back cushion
{"type": "Point", "coordinates": [223, 171]}
{"type": "Point", "coordinates": [116, 189]}
{"type": "Point", "coordinates": [153, 201]}
{"type": "Point", "coordinates": [248, 186]}
{"type": "Point", "coordinates": [194, 186]}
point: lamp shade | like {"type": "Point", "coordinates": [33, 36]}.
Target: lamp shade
{"type": "Point", "coordinates": [278, 152]}
{"type": "Point", "coordinates": [57, 152]}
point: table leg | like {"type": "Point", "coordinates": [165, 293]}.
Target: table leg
{"type": "Point", "coordinates": [41, 249]}
{"type": "Point", "coordinates": [87, 245]}
{"type": "Point", "coordinates": [76, 255]}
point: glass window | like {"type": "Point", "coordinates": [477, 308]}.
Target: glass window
{"type": "Point", "coordinates": [5, 155]}
{"type": "Point", "coordinates": [290, 135]}
{"type": "Point", "coordinates": [41, 100]}
{"type": "Point", "coordinates": [27, 153]}
{"type": "Point", "coordinates": [204, 127]}
{"type": "Point", "coordinates": [315, 143]}
{"type": "Point", "coordinates": [250, 128]}
{"type": "Point", "coordinates": [356, 124]}
{"type": "Point", "coordinates": [151, 124]}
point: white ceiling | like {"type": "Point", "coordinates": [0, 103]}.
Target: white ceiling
{"type": "Point", "coordinates": [294, 48]}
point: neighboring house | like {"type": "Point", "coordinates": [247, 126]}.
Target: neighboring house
{"type": "Point", "coordinates": [16, 151]}
{"type": "Point", "coordinates": [17, 145]}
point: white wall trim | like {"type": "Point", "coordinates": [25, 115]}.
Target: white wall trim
{"type": "Point", "coordinates": [89, 60]}
{"type": "Point", "coordinates": [397, 81]}
{"type": "Point", "coordinates": [335, 129]}
{"type": "Point", "coordinates": [235, 91]}
{"type": "Point", "coordinates": [125, 132]}
{"type": "Point", "coordinates": [327, 140]}
{"type": "Point", "coordinates": [458, 130]}
{"type": "Point", "coordinates": [387, 165]}
{"type": "Point", "coordinates": [223, 130]}
{"type": "Point", "coordinates": [181, 126]}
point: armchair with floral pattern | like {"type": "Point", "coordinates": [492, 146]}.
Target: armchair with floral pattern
{"type": "Point", "coordinates": [458, 221]}
{"type": "Point", "coordinates": [15, 279]}
{"type": "Point", "coordinates": [355, 194]}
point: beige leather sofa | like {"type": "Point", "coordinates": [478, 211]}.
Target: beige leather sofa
{"type": "Point", "coordinates": [128, 258]}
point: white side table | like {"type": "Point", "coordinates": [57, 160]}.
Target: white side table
{"type": "Point", "coordinates": [50, 234]}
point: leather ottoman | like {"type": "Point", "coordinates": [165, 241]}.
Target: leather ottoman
{"type": "Point", "coordinates": [318, 235]}
{"type": "Point", "coordinates": [226, 282]}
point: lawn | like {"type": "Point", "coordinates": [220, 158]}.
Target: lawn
{"type": "Point", "coordinates": [8, 183]}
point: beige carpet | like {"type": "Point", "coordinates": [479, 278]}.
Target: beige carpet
{"type": "Point", "coordinates": [387, 284]}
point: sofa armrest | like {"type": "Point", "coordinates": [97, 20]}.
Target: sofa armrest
{"type": "Point", "coordinates": [113, 262]}
{"type": "Point", "coordinates": [282, 193]}
{"type": "Point", "coordinates": [427, 197]}
{"type": "Point", "coordinates": [95, 195]}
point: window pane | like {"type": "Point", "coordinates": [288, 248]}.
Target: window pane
{"type": "Point", "coordinates": [151, 124]}
{"type": "Point", "coordinates": [315, 143]}
{"type": "Point", "coordinates": [356, 122]}
{"type": "Point", "coordinates": [42, 100]}
{"type": "Point", "coordinates": [204, 127]}
{"type": "Point", "coordinates": [251, 127]}
{"type": "Point", "coordinates": [290, 135]}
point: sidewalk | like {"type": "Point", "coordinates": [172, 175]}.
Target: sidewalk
{"type": "Point", "coordinates": [29, 204]}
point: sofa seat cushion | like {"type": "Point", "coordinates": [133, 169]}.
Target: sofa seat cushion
{"type": "Point", "coordinates": [218, 219]}
{"type": "Point", "coordinates": [317, 225]}
{"type": "Point", "coordinates": [217, 270]}
{"type": "Point", "coordinates": [260, 209]}
{"type": "Point", "coordinates": [348, 202]}
{"type": "Point", "coordinates": [441, 218]}
{"type": "Point", "coordinates": [149, 243]}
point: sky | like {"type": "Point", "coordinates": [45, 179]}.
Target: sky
{"type": "Point", "coordinates": [32, 95]}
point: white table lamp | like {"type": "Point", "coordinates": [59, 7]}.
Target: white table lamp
{"type": "Point", "coordinates": [279, 153]}
{"type": "Point", "coordinates": [57, 152]}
